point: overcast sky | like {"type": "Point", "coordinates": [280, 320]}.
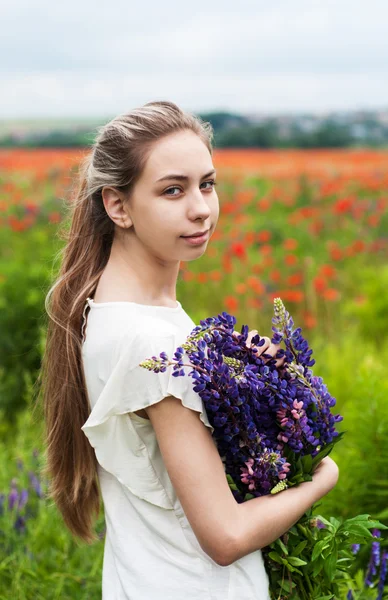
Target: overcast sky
{"type": "Point", "coordinates": [84, 58]}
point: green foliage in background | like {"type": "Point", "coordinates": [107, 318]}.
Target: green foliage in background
{"type": "Point", "coordinates": [38, 556]}
{"type": "Point", "coordinates": [356, 373]}
{"type": "Point", "coordinates": [39, 559]}
{"type": "Point", "coordinates": [370, 316]}
{"type": "Point", "coordinates": [232, 130]}
{"type": "Point", "coordinates": [46, 562]}
{"type": "Point", "coordinates": [25, 266]}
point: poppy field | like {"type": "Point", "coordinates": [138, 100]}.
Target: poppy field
{"type": "Point", "coordinates": [310, 227]}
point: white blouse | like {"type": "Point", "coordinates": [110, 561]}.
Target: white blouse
{"type": "Point", "coordinates": [151, 551]}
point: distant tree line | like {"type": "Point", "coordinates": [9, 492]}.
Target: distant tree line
{"type": "Point", "coordinates": [239, 131]}
{"type": "Point", "coordinates": [292, 132]}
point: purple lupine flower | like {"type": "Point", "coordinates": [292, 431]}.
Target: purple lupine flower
{"type": "Point", "coordinates": [376, 546]}
{"type": "Point", "coordinates": [355, 548]}
{"type": "Point", "coordinates": [20, 524]}
{"type": "Point", "coordinates": [257, 413]}
{"type": "Point", "coordinates": [349, 595]}
{"type": "Point", "coordinates": [35, 484]}
{"type": "Point", "coordinates": [383, 573]}
{"type": "Point", "coordinates": [374, 560]}
{"type": "Point", "coordinates": [2, 498]}
{"type": "Point", "coordinates": [13, 498]}
{"type": "Point", "coordinates": [315, 522]}
{"type": "Point", "coordinates": [23, 498]}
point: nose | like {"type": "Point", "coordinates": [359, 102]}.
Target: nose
{"type": "Point", "coordinates": [199, 206]}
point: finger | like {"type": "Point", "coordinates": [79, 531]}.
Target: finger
{"type": "Point", "coordinates": [267, 350]}
{"type": "Point", "coordinates": [280, 363]}
{"type": "Point", "coordinates": [251, 334]}
{"type": "Point", "coordinates": [274, 352]}
{"type": "Point", "coordinates": [265, 344]}
{"type": "Point", "coordinates": [264, 341]}
{"type": "Point", "coordinates": [281, 357]}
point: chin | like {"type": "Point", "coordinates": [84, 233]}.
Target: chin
{"type": "Point", "coordinates": [194, 254]}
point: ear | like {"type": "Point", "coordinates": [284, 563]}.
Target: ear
{"type": "Point", "coordinates": [116, 207]}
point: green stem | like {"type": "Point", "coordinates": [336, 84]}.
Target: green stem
{"type": "Point", "coordinates": [309, 584]}
{"type": "Point", "coordinates": [302, 589]}
{"type": "Point", "coordinates": [307, 534]}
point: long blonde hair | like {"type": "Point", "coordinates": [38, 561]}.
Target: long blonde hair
{"type": "Point", "coordinates": [116, 158]}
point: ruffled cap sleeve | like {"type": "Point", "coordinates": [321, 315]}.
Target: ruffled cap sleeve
{"type": "Point", "coordinates": [129, 388]}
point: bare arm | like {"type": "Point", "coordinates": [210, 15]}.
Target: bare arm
{"type": "Point", "coordinates": [224, 529]}
{"type": "Point", "coordinates": [263, 520]}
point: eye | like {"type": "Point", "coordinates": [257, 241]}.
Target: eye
{"type": "Point", "coordinates": [171, 188]}
{"type": "Point", "coordinates": [214, 183]}
{"type": "Point", "coordinates": [175, 187]}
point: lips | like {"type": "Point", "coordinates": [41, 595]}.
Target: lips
{"type": "Point", "coordinates": [196, 234]}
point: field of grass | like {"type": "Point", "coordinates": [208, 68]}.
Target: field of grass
{"type": "Point", "coordinates": [310, 227]}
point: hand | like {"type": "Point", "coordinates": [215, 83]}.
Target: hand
{"type": "Point", "coordinates": [268, 350]}
{"type": "Point", "coordinates": [326, 473]}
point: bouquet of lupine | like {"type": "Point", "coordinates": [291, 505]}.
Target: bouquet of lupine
{"type": "Point", "coordinates": [272, 428]}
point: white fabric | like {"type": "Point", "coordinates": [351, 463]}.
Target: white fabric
{"type": "Point", "coordinates": [151, 551]}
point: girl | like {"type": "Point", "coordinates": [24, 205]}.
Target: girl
{"type": "Point", "coordinates": [147, 201]}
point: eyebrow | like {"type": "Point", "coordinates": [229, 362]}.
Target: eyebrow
{"type": "Point", "coordinates": [184, 177]}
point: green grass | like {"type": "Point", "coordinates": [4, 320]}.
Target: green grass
{"type": "Point", "coordinates": [46, 562]}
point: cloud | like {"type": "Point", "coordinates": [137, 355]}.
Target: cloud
{"type": "Point", "coordinates": [71, 56]}
{"type": "Point", "coordinates": [53, 94]}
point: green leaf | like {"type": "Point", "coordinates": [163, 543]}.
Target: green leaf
{"type": "Point", "coordinates": [319, 546]}
{"type": "Point", "coordinates": [324, 452]}
{"type": "Point", "coordinates": [287, 586]}
{"type": "Point", "coordinates": [318, 566]}
{"type": "Point", "coordinates": [326, 522]}
{"type": "Point", "coordinates": [297, 562]}
{"type": "Point", "coordinates": [298, 478]}
{"type": "Point", "coordinates": [363, 517]}
{"type": "Point", "coordinates": [275, 556]}
{"type": "Point", "coordinates": [307, 461]}
{"type": "Point", "coordinates": [330, 564]}
{"type": "Point", "coordinates": [292, 569]}
{"type": "Point", "coordinates": [360, 530]}
{"type": "Point", "coordinates": [248, 497]}
{"type": "Point", "coordinates": [335, 522]}
{"type": "Point", "coordinates": [377, 525]}
{"type": "Point", "coordinates": [299, 548]}
{"type": "Point", "coordinates": [283, 546]}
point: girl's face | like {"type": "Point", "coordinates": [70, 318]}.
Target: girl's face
{"type": "Point", "coordinates": [174, 197]}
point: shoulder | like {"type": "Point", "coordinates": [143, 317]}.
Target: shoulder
{"type": "Point", "coordinates": [137, 344]}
